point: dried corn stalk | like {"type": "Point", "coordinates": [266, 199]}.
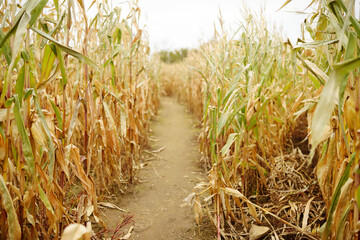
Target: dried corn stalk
{"type": "Point", "coordinates": [76, 98]}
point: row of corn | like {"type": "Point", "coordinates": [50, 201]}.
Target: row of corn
{"type": "Point", "coordinates": [77, 94]}
{"type": "Point", "coordinates": [279, 126]}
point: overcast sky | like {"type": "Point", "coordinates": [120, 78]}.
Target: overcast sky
{"type": "Point", "coordinates": [174, 24]}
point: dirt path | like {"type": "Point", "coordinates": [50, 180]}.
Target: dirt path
{"type": "Point", "coordinates": [156, 202]}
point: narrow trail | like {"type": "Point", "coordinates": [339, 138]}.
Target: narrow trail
{"type": "Point", "coordinates": [157, 201]}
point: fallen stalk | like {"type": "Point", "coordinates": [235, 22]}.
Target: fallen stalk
{"type": "Point", "coordinates": [238, 194]}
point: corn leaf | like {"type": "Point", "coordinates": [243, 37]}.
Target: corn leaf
{"type": "Point", "coordinates": [60, 58]}
{"type": "Point", "coordinates": [343, 220]}
{"type": "Point", "coordinates": [57, 114]}
{"type": "Point", "coordinates": [18, 41]}
{"type": "Point", "coordinates": [355, 23]}
{"type": "Point", "coordinates": [11, 31]}
{"type": "Point", "coordinates": [75, 231]}
{"type": "Point", "coordinates": [349, 54]}
{"type": "Point", "coordinates": [50, 143]}
{"type": "Point", "coordinates": [35, 12]}
{"type": "Point", "coordinates": [336, 197]}
{"type": "Point", "coordinates": [325, 107]}
{"type": "Point", "coordinates": [231, 139]}
{"type": "Point", "coordinates": [5, 48]}
{"type": "Point", "coordinates": [286, 3]}
{"type": "Point", "coordinates": [13, 223]}
{"type": "Point", "coordinates": [72, 123]}
{"type": "Point", "coordinates": [47, 63]}
{"type": "Point", "coordinates": [2, 133]}
{"type": "Point", "coordinates": [45, 199]}
{"type": "Point", "coordinates": [235, 193]}
{"type": "Point", "coordinates": [26, 145]}
{"type": "Point", "coordinates": [34, 8]}
{"type": "Point", "coordinates": [20, 82]}
{"type": "Point", "coordinates": [56, 3]}
{"type": "Point", "coordinates": [68, 50]}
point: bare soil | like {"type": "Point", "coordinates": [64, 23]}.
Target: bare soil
{"type": "Point", "coordinates": [156, 203]}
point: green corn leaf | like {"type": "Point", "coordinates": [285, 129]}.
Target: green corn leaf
{"type": "Point", "coordinates": [68, 50]}
{"type": "Point", "coordinates": [26, 145]}
{"type": "Point", "coordinates": [355, 23]}
{"type": "Point", "coordinates": [58, 115]}
{"type": "Point", "coordinates": [113, 76]}
{"type": "Point", "coordinates": [28, 93]}
{"type": "Point", "coordinates": [357, 195]}
{"type": "Point", "coordinates": [25, 56]}
{"type": "Point", "coordinates": [35, 13]}
{"type": "Point", "coordinates": [231, 139]}
{"type": "Point", "coordinates": [230, 94]}
{"type": "Point", "coordinates": [18, 41]}
{"type": "Point", "coordinates": [11, 31]}
{"type": "Point", "coordinates": [224, 118]}
{"type": "Point", "coordinates": [45, 199]}
{"type": "Point", "coordinates": [2, 132]}
{"type": "Point", "coordinates": [64, 75]}
{"type": "Point", "coordinates": [5, 49]}
{"type": "Point", "coordinates": [20, 82]}
{"type": "Point", "coordinates": [335, 198]}
{"type": "Point", "coordinates": [28, 6]}
{"type": "Point", "coordinates": [13, 223]}
{"type": "Point", "coordinates": [349, 54]}
{"type": "Point", "coordinates": [47, 63]}
{"type": "Point", "coordinates": [55, 30]}
{"type": "Point", "coordinates": [118, 36]}
{"type": "Point", "coordinates": [60, 58]}
{"type": "Point", "coordinates": [58, 24]}
{"type": "Point", "coordinates": [31, 6]}
{"type": "Point", "coordinates": [114, 54]}
{"type": "Point", "coordinates": [9, 102]}
{"type": "Point", "coordinates": [56, 3]}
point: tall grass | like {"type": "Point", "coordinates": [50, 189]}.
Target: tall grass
{"type": "Point", "coordinates": [76, 98]}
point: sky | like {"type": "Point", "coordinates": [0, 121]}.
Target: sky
{"type": "Point", "coordinates": [175, 24]}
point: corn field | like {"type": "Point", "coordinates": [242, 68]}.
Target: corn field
{"type": "Point", "coordinates": [279, 121]}
{"type": "Point", "coordinates": [279, 126]}
{"type": "Point", "coordinates": [77, 95]}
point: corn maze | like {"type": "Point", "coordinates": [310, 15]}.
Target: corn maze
{"type": "Point", "coordinates": [279, 122]}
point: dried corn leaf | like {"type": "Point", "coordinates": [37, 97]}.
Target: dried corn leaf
{"type": "Point", "coordinates": [38, 134]}
{"type": "Point", "coordinates": [76, 231]}
{"type": "Point", "coordinates": [257, 232]}
{"type": "Point", "coordinates": [13, 223]}
{"type": "Point", "coordinates": [306, 214]}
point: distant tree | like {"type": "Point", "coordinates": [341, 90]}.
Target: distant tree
{"type": "Point", "coordinates": [173, 56]}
